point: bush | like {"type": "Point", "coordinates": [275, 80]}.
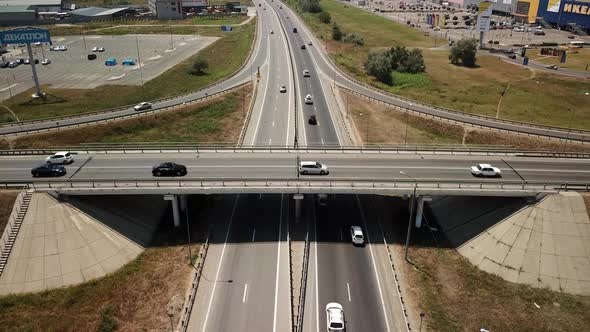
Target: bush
{"type": "Point", "coordinates": [337, 33]}
{"type": "Point", "coordinates": [325, 17]}
{"type": "Point", "coordinates": [310, 6]}
{"type": "Point", "coordinates": [406, 61]}
{"type": "Point", "coordinates": [354, 38]}
{"type": "Point", "coordinates": [464, 52]}
{"type": "Point", "coordinates": [378, 64]}
{"type": "Point", "coordinates": [107, 322]}
{"type": "Point", "coordinates": [199, 66]}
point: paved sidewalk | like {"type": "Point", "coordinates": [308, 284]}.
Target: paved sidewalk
{"type": "Point", "coordinates": [543, 245]}
{"type": "Point", "coordinates": [59, 245]}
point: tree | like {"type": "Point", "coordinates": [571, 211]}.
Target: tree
{"type": "Point", "coordinates": [199, 66]}
{"type": "Point", "coordinates": [310, 6]}
{"type": "Point", "coordinates": [378, 64]}
{"type": "Point", "coordinates": [464, 52]}
{"type": "Point", "coordinates": [398, 55]}
{"type": "Point", "coordinates": [413, 62]}
{"type": "Point", "coordinates": [337, 33]}
{"type": "Point", "coordinates": [354, 38]}
{"type": "Point", "coordinates": [325, 17]}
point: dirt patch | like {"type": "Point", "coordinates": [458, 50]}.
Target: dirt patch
{"type": "Point", "coordinates": [7, 199]}
{"type": "Point", "coordinates": [456, 296]}
{"type": "Point", "coordinates": [376, 123]}
{"type": "Point", "coordinates": [134, 298]}
{"type": "Point", "coordinates": [4, 144]}
{"type": "Point", "coordinates": [586, 197]}
{"type": "Point", "coordinates": [215, 120]}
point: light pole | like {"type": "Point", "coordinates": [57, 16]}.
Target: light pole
{"type": "Point", "coordinates": [188, 233]}
{"type": "Point", "coordinates": [9, 88]}
{"type": "Point", "coordinates": [139, 61]}
{"type": "Point", "coordinates": [411, 212]}
{"type": "Point", "coordinates": [406, 134]}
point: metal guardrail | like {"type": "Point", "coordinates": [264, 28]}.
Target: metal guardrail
{"type": "Point", "coordinates": [231, 148]}
{"type": "Point", "coordinates": [194, 286]}
{"type": "Point", "coordinates": [292, 183]}
{"type": "Point", "coordinates": [127, 116]}
{"type": "Point", "coordinates": [248, 115]}
{"type": "Point", "coordinates": [127, 107]}
{"type": "Point", "coordinates": [303, 286]}
{"type": "Point", "coordinates": [12, 219]}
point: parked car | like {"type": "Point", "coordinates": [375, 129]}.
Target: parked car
{"type": "Point", "coordinates": [282, 89]}
{"type": "Point", "coordinates": [101, 49]}
{"type": "Point", "coordinates": [334, 317]}
{"type": "Point", "coordinates": [539, 32]}
{"type": "Point", "coordinates": [62, 157]}
{"type": "Point", "coordinates": [12, 64]}
{"type": "Point", "coordinates": [128, 62]}
{"type": "Point", "coordinates": [485, 170]}
{"type": "Point", "coordinates": [356, 235]}
{"type": "Point", "coordinates": [308, 99]}
{"type": "Point", "coordinates": [142, 106]}
{"type": "Point", "coordinates": [27, 62]}
{"type": "Point", "coordinates": [519, 29]}
{"type": "Point", "coordinates": [108, 62]}
{"type": "Point", "coordinates": [312, 120]}
{"type": "Point", "coordinates": [3, 64]}
{"type": "Point", "coordinates": [48, 170]}
{"type": "Point", "coordinates": [45, 62]}
{"type": "Point", "coordinates": [95, 49]}
{"type": "Point", "coordinates": [313, 167]}
{"type": "Point", "coordinates": [169, 169]}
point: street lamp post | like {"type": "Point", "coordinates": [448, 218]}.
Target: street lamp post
{"type": "Point", "coordinates": [188, 233]}
{"type": "Point", "coordinates": [9, 88]}
{"type": "Point", "coordinates": [411, 212]}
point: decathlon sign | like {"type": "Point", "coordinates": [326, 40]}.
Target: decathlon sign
{"type": "Point", "coordinates": [24, 36]}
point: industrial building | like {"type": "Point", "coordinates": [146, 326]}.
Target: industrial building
{"type": "Point", "coordinates": [36, 5]}
{"type": "Point", "coordinates": [91, 14]}
{"type": "Point", "coordinates": [166, 9]}
{"type": "Point", "coordinates": [17, 15]}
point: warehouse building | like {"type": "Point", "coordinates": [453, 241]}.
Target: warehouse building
{"type": "Point", "coordinates": [91, 14]}
{"type": "Point", "coordinates": [36, 5]}
{"type": "Point", "coordinates": [566, 14]}
{"type": "Point", "coordinates": [17, 15]}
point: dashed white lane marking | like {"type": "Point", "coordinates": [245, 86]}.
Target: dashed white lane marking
{"type": "Point", "coordinates": [245, 293]}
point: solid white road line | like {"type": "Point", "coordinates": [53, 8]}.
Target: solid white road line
{"type": "Point", "coordinates": [220, 261]}
{"type": "Point", "coordinates": [274, 321]}
{"type": "Point", "coordinates": [253, 234]}
{"type": "Point", "coordinates": [374, 264]}
{"type": "Point", "coordinates": [317, 306]}
{"type": "Point", "coordinates": [348, 289]}
{"type": "Point", "coordinates": [341, 235]}
{"type": "Point", "coordinates": [266, 63]}
{"type": "Point", "coordinates": [245, 292]}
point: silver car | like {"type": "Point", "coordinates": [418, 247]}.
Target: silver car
{"type": "Point", "coordinates": [313, 167]}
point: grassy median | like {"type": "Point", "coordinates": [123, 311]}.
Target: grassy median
{"type": "Point", "coordinates": [224, 57]}
{"type": "Point", "coordinates": [217, 120]}
{"type": "Point", "coordinates": [474, 90]}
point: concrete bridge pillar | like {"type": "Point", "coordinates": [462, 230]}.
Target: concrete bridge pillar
{"type": "Point", "coordinates": [420, 208]}
{"type": "Point", "coordinates": [183, 199]}
{"type": "Point", "coordinates": [175, 210]}
{"type": "Point", "coordinates": [298, 198]}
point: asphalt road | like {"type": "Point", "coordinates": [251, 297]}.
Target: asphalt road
{"type": "Point", "coordinates": [284, 165]}
{"type": "Point", "coordinates": [245, 284]}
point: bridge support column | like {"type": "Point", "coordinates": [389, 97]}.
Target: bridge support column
{"type": "Point", "coordinates": [420, 208]}
{"type": "Point", "coordinates": [183, 199]}
{"type": "Point", "coordinates": [175, 210]}
{"type": "Point", "coordinates": [298, 198]}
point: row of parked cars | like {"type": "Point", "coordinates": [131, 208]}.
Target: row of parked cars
{"type": "Point", "coordinates": [18, 62]}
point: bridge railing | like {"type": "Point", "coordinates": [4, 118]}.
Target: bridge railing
{"type": "Point", "coordinates": [307, 184]}
{"type": "Point", "coordinates": [321, 149]}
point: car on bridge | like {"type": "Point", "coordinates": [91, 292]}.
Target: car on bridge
{"type": "Point", "coordinates": [48, 170]}
{"type": "Point", "coordinates": [334, 317]}
{"type": "Point", "coordinates": [356, 235]}
{"type": "Point", "coordinates": [313, 167]}
{"type": "Point", "coordinates": [62, 157]}
{"type": "Point", "coordinates": [142, 106]}
{"type": "Point", "coordinates": [169, 169]}
{"type": "Point", "coordinates": [485, 170]}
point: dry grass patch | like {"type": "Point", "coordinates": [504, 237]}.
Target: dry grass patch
{"type": "Point", "coordinates": [215, 120]}
{"type": "Point", "coordinates": [586, 197]}
{"type": "Point", "coordinates": [577, 59]}
{"type": "Point", "coordinates": [4, 144]}
{"type": "Point", "coordinates": [133, 298]}
{"type": "Point", "coordinates": [456, 296]}
{"type": "Point", "coordinates": [523, 142]}
{"type": "Point", "coordinates": [7, 199]}
{"type": "Point", "coordinates": [386, 125]}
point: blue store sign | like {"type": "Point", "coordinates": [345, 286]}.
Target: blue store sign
{"type": "Point", "coordinates": [24, 36]}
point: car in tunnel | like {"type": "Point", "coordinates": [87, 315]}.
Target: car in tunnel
{"type": "Point", "coordinates": [356, 235]}
{"type": "Point", "coordinates": [48, 170]}
{"type": "Point", "coordinates": [169, 169]}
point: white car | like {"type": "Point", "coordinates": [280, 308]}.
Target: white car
{"type": "Point", "coordinates": [282, 89]}
{"type": "Point", "coordinates": [485, 170]}
{"type": "Point", "coordinates": [101, 49]}
{"type": "Point", "coordinates": [356, 234]}
{"type": "Point", "coordinates": [334, 317]}
{"type": "Point", "coordinates": [95, 49]}
{"type": "Point", "coordinates": [519, 29]}
{"type": "Point", "coordinates": [62, 157]}
{"type": "Point", "coordinates": [308, 99]}
{"type": "Point", "coordinates": [306, 73]}
{"type": "Point", "coordinates": [142, 106]}
{"type": "Point", "coordinates": [313, 167]}
{"type": "Point", "coordinates": [45, 62]}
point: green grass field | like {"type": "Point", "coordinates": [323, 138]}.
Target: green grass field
{"type": "Point", "coordinates": [577, 59]}
{"type": "Point", "coordinates": [218, 120]}
{"type": "Point", "coordinates": [224, 57]}
{"type": "Point", "coordinates": [473, 90]}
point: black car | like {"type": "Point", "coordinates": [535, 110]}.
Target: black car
{"type": "Point", "coordinates": [169, 169]}
{"type": "Point", "coordinates": [312, 120]}
{"type": "Point", "coordinates": [48, 170]}
{"type": "Point", "coordinates": [294, 29]}
{"type": "Point", "coordinates": [303, 46]}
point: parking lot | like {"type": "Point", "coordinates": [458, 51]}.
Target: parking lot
{"type": "Point", "coordinates": [72, 69]}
